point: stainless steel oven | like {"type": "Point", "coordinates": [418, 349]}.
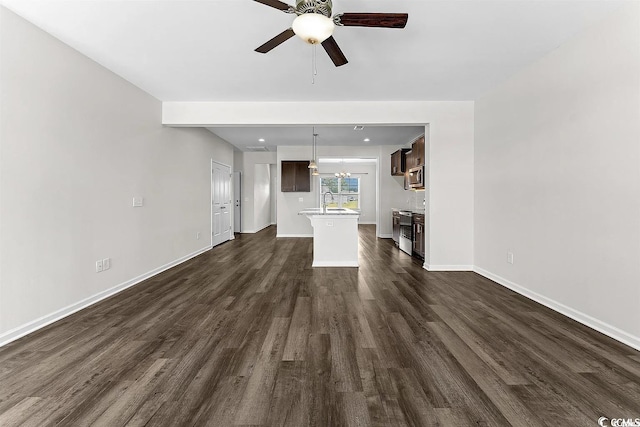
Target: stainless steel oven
{"type": "Point", "coordinates": [406, 232]}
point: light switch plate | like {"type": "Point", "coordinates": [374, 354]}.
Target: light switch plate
{"type": "Point", "coordinates": [138, 202]}
{"type": "Point", "coordinates": [106, 264]}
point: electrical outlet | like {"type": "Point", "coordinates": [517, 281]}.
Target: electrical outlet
{"type": "Point", "coordinates": [301, 199]}
{"type": "Point", "coordinates": [198, 235]}
{"type": "Point", "coordinates": [99, 266]}
{"type": "Point", "coordinates": [138, 202]}
{"type": "Point", "coordinates": [106, 264]}
{"type": "Point", "coordinates": [510, 257]}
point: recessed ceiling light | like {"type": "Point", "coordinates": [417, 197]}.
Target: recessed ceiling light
{"type": "Point", "coordinates": [358, 127]}
{"type": "Point", "coordinates": [367, 140]}
{"type": "Point", "coordinates": [261, 140]}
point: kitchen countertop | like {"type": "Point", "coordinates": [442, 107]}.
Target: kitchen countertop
{"type": "Point", "coordinates": [415, 211]}
{"type": "Point", "coordinates": [329, 211]}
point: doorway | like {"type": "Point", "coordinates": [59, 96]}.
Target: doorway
{"type": "Point", "coordinates": [220, 203]}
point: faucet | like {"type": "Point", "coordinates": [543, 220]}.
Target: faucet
{"type": "Point", "coordinates": [324, 200]}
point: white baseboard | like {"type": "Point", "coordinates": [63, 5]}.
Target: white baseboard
{"type": "Point", "coordinates": [294, 235]}
{"type": "Point", "coordinates": [257, 230]}
{"type": "Point", "coordinates": [367, 222]}
{"type": "Point", "coordinates": [430, 267]}
{"type": "Point", "coordinates": [43, 321]}
{"type": "Point", "coordinates": [274, 223]}
{"type": "Point", "coordinates": [335, 264]}
{"type": "Point", "coordinates": [585, 319]}
{"type": "Point", "coordinates": [385, 236]}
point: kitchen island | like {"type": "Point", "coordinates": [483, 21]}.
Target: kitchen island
{"type": "Point", "coordinates": [335, 236]}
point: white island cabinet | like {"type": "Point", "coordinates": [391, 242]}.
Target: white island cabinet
{"type": "Point", "coordinates": [335, 237]}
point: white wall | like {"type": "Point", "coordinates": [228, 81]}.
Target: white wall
{"type": "Point", "coordinates": [368, 186]}
{"type": "Point", "coordinates": [247, 162]}
{"type": "Point", "coordinates": [273, 173]}
{"type": "Point", "coordinates": [77, 143]}
{"type": "Point", "coordinates": [557, 174]}
{"type": "Point", "coordinates": [450, 163]}
{"type": "Point", "coordinates": [261, 196]}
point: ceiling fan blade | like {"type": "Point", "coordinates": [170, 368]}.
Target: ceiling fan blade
{"type": "Point", "coordinates": [276, 41]}
{"type": "Point", "coordinates": [382, 20]}
{"type": "Point", "coordinates": [334, 52]}
{"type": "Point", "coordinates": [277, 4]}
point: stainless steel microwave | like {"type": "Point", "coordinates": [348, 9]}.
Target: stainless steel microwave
{"type": "Point", "coordinates": [416, 177]}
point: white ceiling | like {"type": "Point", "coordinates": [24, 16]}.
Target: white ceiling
{"type": "Point", "coordinates": [203, 50]}
{"type": "Point", "coordinates": [327, 135]}
{"type": "Point", "coordinates": [182, 50]}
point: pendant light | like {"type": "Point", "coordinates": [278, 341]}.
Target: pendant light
{"type": "Point", "coordinates": [312, 164]}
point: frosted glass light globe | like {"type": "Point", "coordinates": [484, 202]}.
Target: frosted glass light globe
{"type": "Point", "coordinates": [313, 28]}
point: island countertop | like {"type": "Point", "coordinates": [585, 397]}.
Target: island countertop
{"type": "Point", "coordinates": [328, 211]}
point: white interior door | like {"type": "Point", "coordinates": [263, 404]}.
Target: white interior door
{"type": "Point", "coordinates": [221, 203]}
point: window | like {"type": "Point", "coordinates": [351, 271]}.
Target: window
{"type": "Point", "coordinates": [345, 192]}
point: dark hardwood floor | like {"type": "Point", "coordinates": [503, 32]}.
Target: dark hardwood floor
{"type": "Point", "coordinates": [250, 334]}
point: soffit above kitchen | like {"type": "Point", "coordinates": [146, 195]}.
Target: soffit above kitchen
{"type": "Point", "coordinates": [249, 138]}
{"type": "Point", "coordinates": [203, 50]}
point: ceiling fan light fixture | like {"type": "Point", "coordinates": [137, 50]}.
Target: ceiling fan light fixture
{"type": "Point", "coordinates": [313, 28]}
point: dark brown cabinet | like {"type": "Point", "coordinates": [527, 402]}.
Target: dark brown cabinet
{"type": "Point", "coordinates": [398, 162]}
{"type": "Point", "coordinates": [295, 176]}
{"type": "Point", "coordinates": [409, 160]}
{"type": "Point", "coordinates": [415, 156]}
{"type": "Point", "coordinates": [418, 235]}
{"type": "Point", "coordinates": [417, 150]}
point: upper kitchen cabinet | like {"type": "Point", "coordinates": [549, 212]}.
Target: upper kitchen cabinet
{"type": "Point", "coordinates": [414, 165]}
{"type": "Point", "coordinates": [415, 156]}
{"type": "Point", "coordinates": [296, 176]}
{"type": "Point", "coordinates": [417, 150]}
{"type": "Point", "coordinates": [398, 162]}
{"type": "Point", "coordinates": [405, 159]}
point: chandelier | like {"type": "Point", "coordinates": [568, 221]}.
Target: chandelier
{"type": "Point", "coordinates": [343, 174]}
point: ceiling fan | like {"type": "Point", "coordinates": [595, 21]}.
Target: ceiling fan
{"type": "Point", "coordinates": [315, 25]}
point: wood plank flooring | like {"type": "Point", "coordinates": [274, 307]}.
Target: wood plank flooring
{"type": "Point", "coordinates": [249, 334]}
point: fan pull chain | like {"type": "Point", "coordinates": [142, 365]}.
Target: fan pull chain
{"type": "Point", "coordinates": [314, 69]}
